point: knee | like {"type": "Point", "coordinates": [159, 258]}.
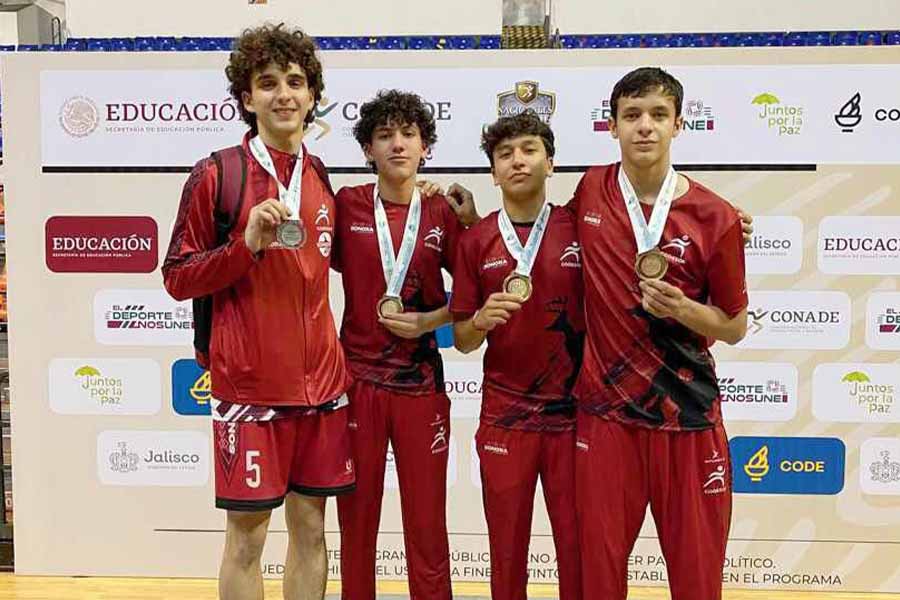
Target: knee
{"type": "Point", "coordinates": [306, 522]}
{"type": "Point", "coordinates": [245, 538]}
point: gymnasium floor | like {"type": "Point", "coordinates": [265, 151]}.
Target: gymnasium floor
{"type": "Point", "coordinates": [13, 587]}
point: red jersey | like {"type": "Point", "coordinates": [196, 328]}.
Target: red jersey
{"type": "Point", "coordinates": [639, 369]}
{"type": "Point", "coordinates": [375, 354]}
{"type": "Point", "coordinates": [273, 339]}
{"type": "Point", "coordinates": [531, 363]}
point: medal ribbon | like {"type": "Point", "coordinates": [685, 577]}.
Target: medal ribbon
{"type": "Point", "coordinates": [646, 235]}
{"type": "Point", "coordinates": [292, 196]}
{"type": "Point", "coordinates": [524, 255]}
{"type": "Point", "coordinates": [395, 268]}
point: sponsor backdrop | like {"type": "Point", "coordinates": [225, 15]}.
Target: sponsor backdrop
{"type": "Point", "coordinates": [112, 446]}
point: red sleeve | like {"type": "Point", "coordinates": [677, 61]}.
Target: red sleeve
{"type": "Point", "coordinates": [581, 189]}
{"type": "Point", "coordinates": [725, 272]}
{"type": "Point", "coordinates": [453, 232]}
{"type": "Point", "coordinates": [194, 266]}
{"type": "Point", "coordinates": [467, 295]}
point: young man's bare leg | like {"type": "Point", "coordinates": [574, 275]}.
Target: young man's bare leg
{"type": "Point", "coordinates": [240, 576]}
{"type": "Point", "coordinates": [306, 566]}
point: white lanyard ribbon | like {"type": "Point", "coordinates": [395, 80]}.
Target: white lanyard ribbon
{"type": "Point", "coordinates": [527, 254]}
{"type": "Point", "coordinates": [647, 235]}
{"type": "Point", "coordinates": [395, 268]}
{"type": "Point", "coordinates": [292, 195]}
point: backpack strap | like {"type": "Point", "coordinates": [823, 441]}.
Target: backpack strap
{"type": "Point", "coordinates": [231, 168]}
{"type": "Point", "coordinates": [231, 164]}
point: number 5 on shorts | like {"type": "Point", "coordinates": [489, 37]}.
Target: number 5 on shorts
{"type": "Point", "coordinates": [253, 468]}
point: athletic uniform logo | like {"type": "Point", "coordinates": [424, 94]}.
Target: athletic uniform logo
{"type": "Point", "coordinates": [323, 218]}
{"type": "Point", "coordinates": [715, 480]}
{"type": "Point", "coordinates": [348, 466]}
{"type": "Point", "coordinates": [593, 219]}
{"type": "Point", "coordinates": [582, 445]}
{"type": "Point", "coordinates": [496, 448]}
{"type": "Point", "coordinates": [675, 249]}
{"type": "Point", "coordinates": [494, 263]}
{"type": "Point", "coordinates": [324, 243]}
{"type": "Point", "coordinates": [439, 441]}
{"type": "Point", "coordinates": [571, 256]}
{"type": "Point", "coordinates": [436, 237]}
{"type": "Point", "coordinates": [361, 228]}
{"type": "Point", "coordinates": [228, 441]}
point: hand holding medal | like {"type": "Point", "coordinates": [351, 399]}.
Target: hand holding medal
{"type": "Point", "coordinates": [262, 224]}
{"type": "Point", "coordinates": [497, 310]}
{"type": "Point", "coordinates": [290, 231]}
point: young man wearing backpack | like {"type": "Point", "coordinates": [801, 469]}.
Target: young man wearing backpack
{"type": "Point", "coordinates": [251, 245]}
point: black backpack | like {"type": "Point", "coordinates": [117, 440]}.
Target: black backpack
{"type": "Point", "coordinates": [231, 164]}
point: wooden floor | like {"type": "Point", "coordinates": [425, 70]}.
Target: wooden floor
{"type": "Point", "coordinates": [13, 587]}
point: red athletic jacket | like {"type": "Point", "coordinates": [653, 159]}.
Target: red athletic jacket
{"type": "Point", "coordinates": [274, 341]}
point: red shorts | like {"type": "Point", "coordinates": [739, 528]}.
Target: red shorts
{"type": "Point", "coordinates": [259, 462]}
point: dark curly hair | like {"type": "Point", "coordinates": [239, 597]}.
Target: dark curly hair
{"type": "Point", "coordinates": [394, 107]}
{"type": "Point", "coordinates": [642, 81]}
{"type": "Point", "coordinates": [524, 123]}
{"type": "Point", "coordinates": [259, 47]}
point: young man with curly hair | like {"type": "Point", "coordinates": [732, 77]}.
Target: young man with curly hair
{"type": "Point", "coordinates": [278, 372]}
{"type": "Point", "coordinates": [518, 285]}
{"type": "Point", "coordinates": [392, 243]}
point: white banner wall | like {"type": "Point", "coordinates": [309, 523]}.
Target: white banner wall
{"type": "Point", "coordinates": [105, 394]}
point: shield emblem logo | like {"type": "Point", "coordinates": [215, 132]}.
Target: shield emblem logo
{"type": "Point", "coordinates": [526, 91]}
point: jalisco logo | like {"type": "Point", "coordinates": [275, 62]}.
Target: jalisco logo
{"type": "Point", "coordinates": [434, 239]}
{"type": "Point", "coordinates": [772, 392]}
{"type": "Point", "coordinates": [79, 117]}
{"type": "Point", "coordinates": [571, 256]}
{"type": "Point", "coordinates": [134, 316]}
{"type": "Point", "coordinates": [873, 398]}
{"type": "Point", "coordinates": [784, 119]}
{"type": "Point", "coordinates": [885, 470]}
{"type": "Point", "coordinates": [100, 389]}
{"type": "Point", "coordinates": [527, 95]}
{"type": "Point", "coordinates": [123, 461]}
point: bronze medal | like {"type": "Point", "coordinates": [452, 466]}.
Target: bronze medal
{"type": "Point", "coordinates": [389, 305]}
{"type": "Point", "coordinates": [518, 285]}
{"type": "Point", "coordinates": [651, 264]}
